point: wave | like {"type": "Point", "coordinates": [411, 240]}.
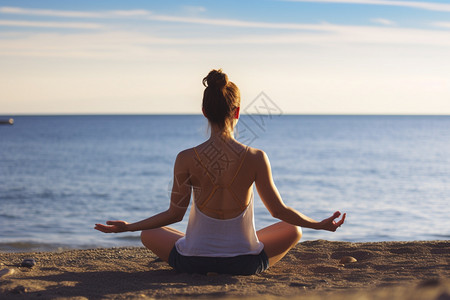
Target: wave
{"type": "Point", "coordinates": [29, 245]}
{"type": "Point", "coordinates": [32, 246]}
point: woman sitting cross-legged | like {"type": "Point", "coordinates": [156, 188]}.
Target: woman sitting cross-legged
{"type": "Point", "coordinates": [219, 174]}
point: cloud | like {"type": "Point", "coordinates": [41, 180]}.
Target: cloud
{"type": "Point", "coordinates": [117, 41]}
{"type": "Point", "coordinates": [234, 23]}
{"type": "Point", "coordinates": [127, 13]}
{"type": "Point", "coordinates": [37, 24]}
{"type": "Point", "coordinates": [441, 24]}
{"type": "Point", "coordinates": [382, 21]}
{"type": "Point", "coordinates": [74, 14]}
{"type": "Point", "coordinates": [411, 4]}
{"type": "Point", "coordinates": [135, 46]}
{"type": "Point", "coordinates": [155, 17]}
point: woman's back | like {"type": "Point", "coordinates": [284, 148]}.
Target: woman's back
{"type": "Point", "coordinates": [221, 222]}
{"type": "Point", "coordinates": [222, 175]}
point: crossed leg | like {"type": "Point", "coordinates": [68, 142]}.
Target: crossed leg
{"type": "Point", "coordinates": [161, 240]}
{"type": "Point", "coordinates": [278, 239]}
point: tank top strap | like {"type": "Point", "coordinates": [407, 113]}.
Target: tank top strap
{"type": "Point", "coordinates": [242, 205]}
{"type": "Point", "coordinates": [204, 167]}
{"type": "Point", "coordinates": [203, 204]}
{"type": "Point", "coordinates": [239, 168]}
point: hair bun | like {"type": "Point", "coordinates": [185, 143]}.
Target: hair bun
{"type": "Point", "coordinates": [216, 79]}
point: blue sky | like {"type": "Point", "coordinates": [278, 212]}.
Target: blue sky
{"type": "Point", "coordinates": [326, 56]}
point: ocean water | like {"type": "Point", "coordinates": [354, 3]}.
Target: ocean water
{"type": "Point", "coordinates": [59, 175]}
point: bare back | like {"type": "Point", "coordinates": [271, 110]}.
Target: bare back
{"type": "Point", "coordinates": [222, 175]}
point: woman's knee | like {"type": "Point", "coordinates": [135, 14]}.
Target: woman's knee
{"type": "Point", "coordinates": [160, 237]}
{"type": "Point", "coordinates": [143, 236]}
{"type": "Point", "coordinates": [298, 233]}
{"type": "Point", "coordinates": [147, 236]}
{"type": "Point", "coordinates": [294, 232]}
{"type": "Point", "coordinates": [281, 232]}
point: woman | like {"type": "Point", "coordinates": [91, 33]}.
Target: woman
{"type": "Point", "coordinates": [220, 174]}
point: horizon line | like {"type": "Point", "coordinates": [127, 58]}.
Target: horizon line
{"type": "Point", "coordinates": [7, 116]}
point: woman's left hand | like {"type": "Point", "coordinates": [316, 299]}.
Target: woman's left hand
{"type": "Point", "coordinates": [112, 227]}
{"type": "Point", "coordinates": [330, 224]}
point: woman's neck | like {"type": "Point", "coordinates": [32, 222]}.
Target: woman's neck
{"type": "Point", "coordinates": [227, 133]}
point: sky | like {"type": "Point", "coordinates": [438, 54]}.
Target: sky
{"type": "Point", "coordinates": [149, 57]}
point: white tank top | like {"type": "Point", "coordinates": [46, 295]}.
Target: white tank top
{"type": "Point", "coordinates": [206, 236]}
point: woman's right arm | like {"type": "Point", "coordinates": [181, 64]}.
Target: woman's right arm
{"type": "Point", "coordinates": [179, 202]}
{"type": "Point", "coordinates": [271, 198]}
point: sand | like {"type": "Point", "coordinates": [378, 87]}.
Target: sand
{"type": "Point", "coordinates": [312, 270]}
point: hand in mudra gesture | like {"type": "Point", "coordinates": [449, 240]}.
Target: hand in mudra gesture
{"type": "Point", "coordinates": [330, 224]}
{"type": "Point", "coordinates": [112, 227]}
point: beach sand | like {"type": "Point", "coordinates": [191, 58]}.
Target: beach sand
{"type": "Point", "coordinates": [312, 270]}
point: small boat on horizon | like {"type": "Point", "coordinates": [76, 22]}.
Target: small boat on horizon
{"type": "Point", "coordinates": [7, 122]}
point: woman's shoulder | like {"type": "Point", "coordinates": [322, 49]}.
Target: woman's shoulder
{"type": "Point", "coordinates": [183, 159]}
{"type": "Point", "coordinates": [185, 153]}
{"type": "Point", "coordinates": [253, 154]}
{"type": "Point", "coordinates": [189, 152]}
{"type": "Point", "coordinates": [256, 154]}
{"type": "Point", "coordinates": [255, 151]}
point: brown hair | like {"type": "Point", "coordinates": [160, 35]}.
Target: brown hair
{"type": "Point", "coordinates": [220, 99]}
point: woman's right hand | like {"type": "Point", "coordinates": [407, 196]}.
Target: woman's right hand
{"type": "Point", "coordinates": [330, 224]}
{"type": "Point", "coordinates": [112, 227]}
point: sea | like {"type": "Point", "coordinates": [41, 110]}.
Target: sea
{"type": "Point", "coordinates": [59, 175]}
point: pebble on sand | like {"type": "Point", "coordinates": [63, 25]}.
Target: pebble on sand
{"type": "Point", "coordinates": [28, 263]}
{"type": "Point", "coordinates": [6, 272]}
{"type": "Point", "coordinates": [347, 260]}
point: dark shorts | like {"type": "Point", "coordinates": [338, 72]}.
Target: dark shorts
{"type": "Point", "coordinates": [237, 265]}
